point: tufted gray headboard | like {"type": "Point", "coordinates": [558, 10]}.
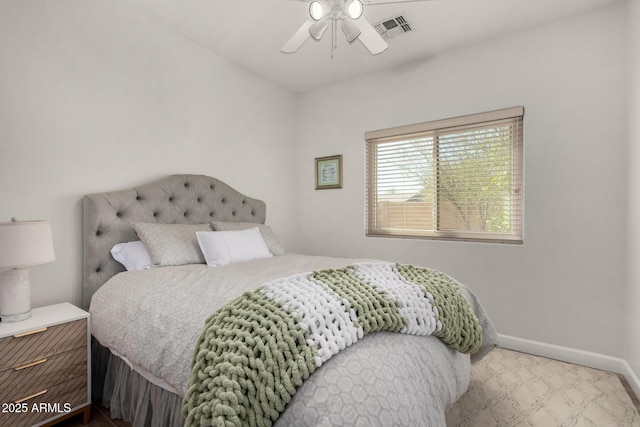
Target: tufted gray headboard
{"type": "Point", "coordinates": [182, 199]}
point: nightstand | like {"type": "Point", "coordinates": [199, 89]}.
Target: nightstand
{"type": "Point", "coordinates": [45, 364]}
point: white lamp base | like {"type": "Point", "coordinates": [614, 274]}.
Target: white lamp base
{"type": "Point", "coordinates": [15, 295]}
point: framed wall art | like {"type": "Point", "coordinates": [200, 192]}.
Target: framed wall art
{"type": "Point", "coordinates": [328, 172]}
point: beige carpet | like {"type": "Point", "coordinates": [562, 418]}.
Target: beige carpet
{"type": "Point", "coordinates": [511, 389]}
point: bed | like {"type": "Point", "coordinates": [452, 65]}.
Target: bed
{"type": "Point", "coordinates": [146, 323]}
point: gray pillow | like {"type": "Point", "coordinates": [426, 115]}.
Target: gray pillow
{"type": "Point", "coordinates": [266, 232]}
{"type": "Point", "coordinates": [171, 244]}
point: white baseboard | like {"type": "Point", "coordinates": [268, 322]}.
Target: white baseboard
{"type": "Point", "coordinates": [632, 378]}
{"type": "Point", "coordinates": [572, 355]}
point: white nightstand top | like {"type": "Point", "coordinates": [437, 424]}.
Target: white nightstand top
{"type": "Point", "coordinates": [44, 316]}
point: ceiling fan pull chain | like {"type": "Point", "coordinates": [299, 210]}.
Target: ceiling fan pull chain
{"type": "Point", "coordinates": [333, 36]}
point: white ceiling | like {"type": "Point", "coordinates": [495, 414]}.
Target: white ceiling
{"type": "Point", "coordinates": [251, 32]}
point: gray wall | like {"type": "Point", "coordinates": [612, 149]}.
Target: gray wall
{"type": "Point", "coordinates": [95, 98]}
{"type": "Point", "coordinates": [566, 284]}
{"type": "Point", "coordinates": [632, 354]}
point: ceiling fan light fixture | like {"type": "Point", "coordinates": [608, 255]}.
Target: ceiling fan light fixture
{"type": "Point", "coordinates": [355, 9]}
{"type": "Point", "coordinates": [318, 28]}
{"type": "Point", "coordinates": [315, 10]}
{"type": "Point", "coordinates": [350, 30]}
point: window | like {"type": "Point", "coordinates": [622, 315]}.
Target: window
{"type": "Point", "coordinates": [457, 179]}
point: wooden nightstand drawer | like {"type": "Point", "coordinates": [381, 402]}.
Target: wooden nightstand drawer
{"type": "Point", "coordinates": [42, 374]}
{"type": "Point", "coordinates": [52, 402]}
{"type": "Point", "coordinates": [45, 372]}
{"type": "Point", "coordinates": [37, 344]}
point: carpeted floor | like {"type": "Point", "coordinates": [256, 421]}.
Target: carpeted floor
{"type": "Point", "coordinates": [511, 389]}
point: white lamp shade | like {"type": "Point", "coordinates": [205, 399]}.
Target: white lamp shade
{"type": "Point", "coordinates": [25, 243]}
{"type": "Point", "coordinates": [350, 30]}
{"type": "Point", "coordinates": [355, 9]}
{"type": "Point", "coordinates": [315, 10]}
{"type": "Point", "coordinates": [318, 28]}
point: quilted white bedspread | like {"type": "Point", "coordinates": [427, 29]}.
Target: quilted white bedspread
{"type": "Point", "coordinates": [153, 319]}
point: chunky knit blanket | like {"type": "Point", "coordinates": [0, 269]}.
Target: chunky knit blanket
{"type": "Point", "coordinates": [256, 350]}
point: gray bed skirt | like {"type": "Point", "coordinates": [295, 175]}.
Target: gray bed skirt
{"type": "Point", "coordinates": [128, 395]}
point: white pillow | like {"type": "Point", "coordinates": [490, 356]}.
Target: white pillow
{"type": "Point", "coordinates": [266, 232]}
{"type": "Point", "coordinates": [227, 247]}
{"type": "Point", "coordinates": [133, 255]}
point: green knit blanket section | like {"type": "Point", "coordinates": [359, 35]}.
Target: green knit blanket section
{"type": "Point", "coordinates": [460, 327]}
{"type": "Point", "coordinates": [375, 312]}
{"type": "Point", "coordinates": [258, 349]}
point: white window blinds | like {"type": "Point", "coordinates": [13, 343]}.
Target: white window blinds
{"type": "Point", "coordinates": [459, 178]}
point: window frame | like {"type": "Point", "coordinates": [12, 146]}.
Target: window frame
{"type": "Point", "coordinates": [434, 129]}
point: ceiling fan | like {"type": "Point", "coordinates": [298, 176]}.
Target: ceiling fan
{"type": "Point", "coordinates": [346, 12]}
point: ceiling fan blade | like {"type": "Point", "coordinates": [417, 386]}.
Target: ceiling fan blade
{"type": "Point", "coordinates": [370, 37]}
{"type": "Point", "coordinates": [298, 38]}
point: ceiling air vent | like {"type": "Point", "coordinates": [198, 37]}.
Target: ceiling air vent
{"type": "Point", "coordinates": [394, 26]}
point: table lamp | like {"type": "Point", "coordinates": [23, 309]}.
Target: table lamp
{"type": "Point", "coordinates": [22, 244]}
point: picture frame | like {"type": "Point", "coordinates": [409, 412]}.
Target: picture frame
{"type": "Point", "coordinates": [328, 171]}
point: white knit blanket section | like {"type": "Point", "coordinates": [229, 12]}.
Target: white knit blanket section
{"type": "Point", "coordinates": [330, 320]}
{"type": "Point", "coordinates": [416, 307]}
